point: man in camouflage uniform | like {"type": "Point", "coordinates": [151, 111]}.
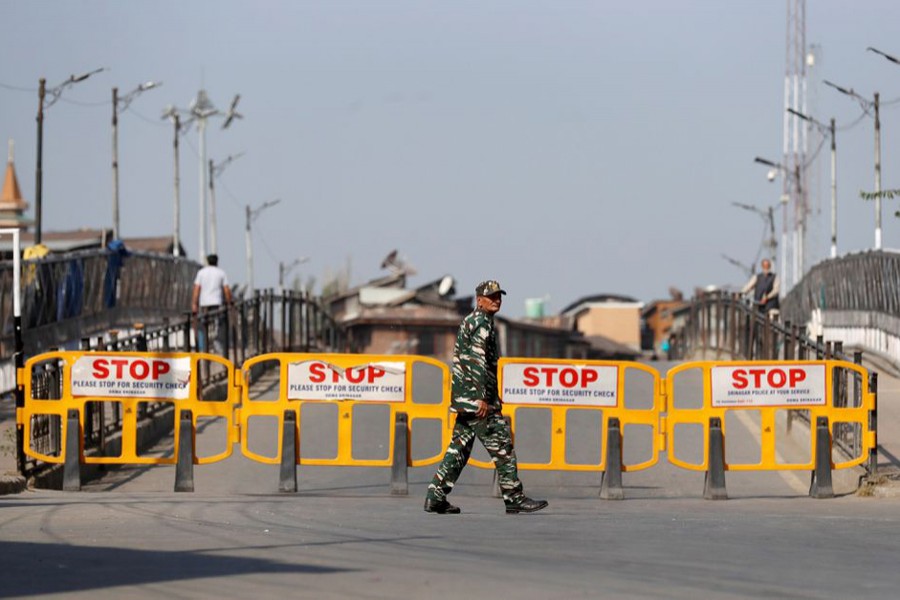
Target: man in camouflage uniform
{"type": "Point", "coordinates": [477, 405]}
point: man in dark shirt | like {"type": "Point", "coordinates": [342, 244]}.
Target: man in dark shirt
{"type": "Point", "coordinates": [477, 405]}
{"type": "Point", "coordinates": [765, 289]}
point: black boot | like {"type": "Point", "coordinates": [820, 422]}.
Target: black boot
{"type": "Point", "coordinates": [441, 507]}
{"type": "Point", "coordinates": [525, 505]}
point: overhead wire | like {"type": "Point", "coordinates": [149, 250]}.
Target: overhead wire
{"type": "Point", "coordinates": [262, 238]}
{"type": "Point", "coordinates": [156, 122]}
{"type": "Point", "coordinates": [17, 88]}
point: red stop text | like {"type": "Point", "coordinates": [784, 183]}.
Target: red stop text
{"type": "Point", "coordinates": [773, 378]}
{"type": "Point", "coordinates": [567, 377]}
{"type": "Point", "coordinates": [138, 368]}
{"type": "Point", "coordinates": [320, 372]}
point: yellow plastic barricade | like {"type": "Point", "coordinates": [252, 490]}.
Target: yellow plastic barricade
{"type": "Point", "coordinates": [129, 379]}
{"type": "Point", "coordinates": [347, 380]}
{"type": "Point", "coordinates": [561, 386]}
{"type": "Point", "coordinates": [769, 387]}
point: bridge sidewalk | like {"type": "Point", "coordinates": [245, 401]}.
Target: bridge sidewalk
{"type": "Point", "coordinates": [888, 436]}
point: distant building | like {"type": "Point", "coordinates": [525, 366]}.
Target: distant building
{"type": "Point", "coordinates": [614, 321]}
{"type": "Point", "coordinates": [659, 316]}
{"type": "Point", "coordinates": [384, 317]}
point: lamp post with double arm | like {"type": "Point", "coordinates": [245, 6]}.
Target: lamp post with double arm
{"type": "Point", "coordinates": [122, 103]}
{"type": "Point", "coordinates": [873, 106]}
{"type": "Point", "coordinates": [252, 214]}
{"type": "Point", "coordinates": [46, 99]}
{"type": "Point", "coordinates": [827, 129]}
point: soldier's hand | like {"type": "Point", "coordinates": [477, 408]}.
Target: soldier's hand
{"type": "Point", "coordinates": [482, 410]}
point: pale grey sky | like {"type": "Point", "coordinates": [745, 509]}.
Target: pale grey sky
{"type": "Point", "coordinates": [564, 148]}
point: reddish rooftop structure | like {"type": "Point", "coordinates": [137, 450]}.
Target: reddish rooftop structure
{"type": "Point", "coordinates": [12, 205]}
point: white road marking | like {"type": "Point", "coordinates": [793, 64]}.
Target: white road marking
{"type": "Point", "coordinates": [790, 477]}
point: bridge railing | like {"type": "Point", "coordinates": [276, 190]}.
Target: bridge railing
{"type": "Point", "coordinates": [267, 322]}
{"type": "Point", "coordinates": [88, 288]}
{"type": "Point", "coordinates": [866, 281]}
{"type": "Point", "coordinates": [855, 298]}
{"type": "Point", "coordinates": [721, 325]}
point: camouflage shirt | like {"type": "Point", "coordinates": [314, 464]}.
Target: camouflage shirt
{"type": "Point", "coordinates": [475, 363]}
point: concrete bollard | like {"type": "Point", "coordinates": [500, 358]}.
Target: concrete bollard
{"type": "Point", "coordinates": [184, 467]}
{"type": "Point", "coordinates": [72, 466]}
{"type": "Point", "coordinates": [290, 446]}
{"type": "Point", "coordinates": [611, 479]}
{"type": "Point", "coordinates": [714, 483]}
{"type": "Point", "coordinates": [399, 468]}
{"type": "Point", "coordinates": [820, 482]}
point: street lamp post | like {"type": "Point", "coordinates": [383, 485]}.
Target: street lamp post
{"type": "Point", "coordinates": [798, 245]}
{"type": "Point", "coordinates": [252, 214]}
{"type": "Point", "coordinates": [200, 110]}
{"type": "Point", "coordinates": [286, 269]}
{"type": "Point", "coordinates": [54, 93]}
{"type": "Point", "coordinates": [866, 105]}
{"type": "Point", "coordinates": [830, 129]}
{"type": "Point", "coordinates": [215, 170]}
{"type": "Point", "coordinates": [124, 101]}
{"type": "Point", "coordinates": [768, 216]}
{"type": "Point", "coordinates": [172, 113]}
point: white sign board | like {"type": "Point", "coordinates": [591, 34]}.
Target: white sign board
{"type": "Point", "coordinates": [134, 376]}
{"type": "Point", "coordinates": [560, 384]}
{"type": "Point", "coordinates": [768, 385]}
{"type": "Point", "coordinates": [319, 380]}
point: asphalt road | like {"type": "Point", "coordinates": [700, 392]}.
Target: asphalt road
{"type": "Point", "coordinates": [343, 536]}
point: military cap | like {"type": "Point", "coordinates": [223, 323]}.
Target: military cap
{"type": "Point", "coordinates": [486, 288]}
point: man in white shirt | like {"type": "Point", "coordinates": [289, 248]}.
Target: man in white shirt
{"type": "Point", "coordinates": [211, 293]}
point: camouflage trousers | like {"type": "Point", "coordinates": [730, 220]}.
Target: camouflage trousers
{"type": "Point", "coordinates": [495, 435]}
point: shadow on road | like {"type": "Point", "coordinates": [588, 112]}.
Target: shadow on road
{"type": "Point", "coordinates": [32, 569]}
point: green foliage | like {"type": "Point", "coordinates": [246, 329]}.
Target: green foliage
{"type": "Point", "coordinates": [889, 194]}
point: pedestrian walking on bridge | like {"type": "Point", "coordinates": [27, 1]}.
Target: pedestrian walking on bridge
{"type": "Point", "coordinates": [476, 402]}
{"type": "Point", "coordinates": [212, 294]}
{"type": "Point", "coordinates": [765, 289]}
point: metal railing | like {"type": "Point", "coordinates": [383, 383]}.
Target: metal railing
{"type": "Point", "coordinates": [866, 281]}
{"type": "Point", "coordinates": [721, 325]}
{"type": "Point", "coordinates": [91, 286]}
{"type": "Point", "coordinates": [267, 322]}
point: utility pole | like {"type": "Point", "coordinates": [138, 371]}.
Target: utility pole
{"type": "Point", "coordinates": [213, 244]}
{"type": "Point", "coordinates": [176, 229]}
{"type": "Point", "coordinates": [125, 102]}
{"type": "Point", "coordinates": [868, 105]}
{"type": "Point", "coordinates": [877, 175]}
{"type": "Point", "coordinates": [43, 103]}
{"type": "Point", "coordinates": [252, 214]}
{"type": "Point", "coordinates": [249, 246]}
{"type": "Point", "coordinates": [794, 144]}
{"type": "Point", "coordinates": [201, 132]}
{"type": "Point", "coordinates": [115, 161]}
{"type": "Point", "coordinates": [833, 191]}
{"type": "Point", "coordinates": [38, 171]}
{"type": "Point", "coordinates": [284, 270]}
{"type": "Point", "coordinates": [830, 130]}
{"type": "Point", "coordinates": [172, 113]}
{"type": "Point", "coordinates": [215, 170]}
{"type": "Point", "coordinates": [768, 217]}
{"type": "Point", "coordinates": [200, 110]}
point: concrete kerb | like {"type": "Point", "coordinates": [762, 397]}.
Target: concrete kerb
{"type": "Point", "coordinates": [12, 483]}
